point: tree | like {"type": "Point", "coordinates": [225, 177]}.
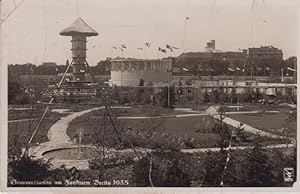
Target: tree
{"type": "Point", "coordinates": [102, 67]}
{"type": "Point", "coordinates": [141, 82]}
{"type": "Point", "coordinates": [259, 171]}
{"type": "Point", "coordinates": [16, 94]}
{"type": "Point", "coordinates": [222, 130]}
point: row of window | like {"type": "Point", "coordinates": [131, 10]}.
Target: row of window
{"type": "Point", "coordinates": [141, 66]}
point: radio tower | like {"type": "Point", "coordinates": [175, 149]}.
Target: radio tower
{"type": "Point", "coordinates": [79, 30]}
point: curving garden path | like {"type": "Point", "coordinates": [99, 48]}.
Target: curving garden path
{"type": "Point", "coordinates": [57, 134]}
{"type": "Point", "coordinates": [58, 138]}
{"type": "Point", "coordinates": [213, 111]}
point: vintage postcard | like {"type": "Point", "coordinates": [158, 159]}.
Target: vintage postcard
{"type": "Point", "coordinates": [192, 94]}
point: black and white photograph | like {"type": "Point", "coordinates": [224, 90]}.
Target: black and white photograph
{"type": "Point", "coordinates": [150, 93]}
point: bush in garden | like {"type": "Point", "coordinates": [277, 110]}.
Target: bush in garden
{"type": "Point", "coordinates": [251, 168]}
{"type": "Point", "coordinates": [223, 132]}
{"type": "Point", "coordinates": [259, 171]}
{"type": "Point", "coordinates": [166, 171]}
{"type": "Point", "coordinates": [214, 165]}
{"type": "Point", "coordinates": [63, 174]}
{"type": "Point", "coordinates": [26, 169]}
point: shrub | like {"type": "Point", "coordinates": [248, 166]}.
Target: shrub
{"type": "Point", "coordinates": [166, 171]}
{"type": "Point", "coordinates": [26, 169]}
{"type": "Point", "coordinates": [214, 165]}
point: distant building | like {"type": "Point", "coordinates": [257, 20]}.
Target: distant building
{"type": "Point", "coordinates": [211, 63]}
{"type": "Point", "coordinates": [210, 46]}
{"type": "Point", "coordinates": [265, 52]}
{"type": "Point", "coordinates": [266, 60]}
{"type": "Point", "coordinates": [133, 72]}
{"type": "Point", "coordinates": [262, 61]}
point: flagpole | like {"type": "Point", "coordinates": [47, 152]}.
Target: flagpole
{"type": "Point", "coordinates": [184, 34]}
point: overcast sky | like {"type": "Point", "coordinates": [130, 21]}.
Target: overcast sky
{"type": "Point", "coordinates": [31, 33]}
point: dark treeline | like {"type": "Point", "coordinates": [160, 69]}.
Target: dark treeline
{"type": "Point", "coordinates": [102, 68]}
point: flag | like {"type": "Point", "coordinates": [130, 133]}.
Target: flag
{"type": "Point", "coordinates": [185, 69]}
{"type": "Point", "coordinates": [123, 46]}
{"type": "Point", "coordinates": [140, 49]}
{"type": "Point", "coordinates": [114, 47]}
{"type": "Point", "coordinates": [230, 69]}
{"type": "Point", "coordinates": [147, 44]}
{"type": "Point", "coordinates": [162, 50]}
{"type": "Point", "coordinates": [169, 47]}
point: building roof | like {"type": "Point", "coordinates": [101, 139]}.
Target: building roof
{"type": "Point", "coordinates": [210, 55]}
{"type": "Point", "coordinates": [193, 55]}
{"type": "Point", "coordinates": [263, 49]}
{"type": "Point", "coordinates": [79, 26]}
{"type": "Point", "coordinates": [138, 60]}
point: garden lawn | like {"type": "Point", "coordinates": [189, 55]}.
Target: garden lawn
{"type": "Point", "coordinates": [270, 122]}
{"type": "Point", "coordinates": [192, 127]}
{"type": "Point", "coordinates": [20, 132]}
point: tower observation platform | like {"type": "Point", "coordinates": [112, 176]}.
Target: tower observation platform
{"type": "Point", "coordinates": [77, 88]}
{"type": "Point", "coordinates": [79, 30]}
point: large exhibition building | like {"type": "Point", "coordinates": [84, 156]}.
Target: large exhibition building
{"type": "Point", "coordinates": [141, 72]}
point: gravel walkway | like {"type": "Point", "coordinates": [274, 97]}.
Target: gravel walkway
{"type": "Point", "coordinates": [58, 138]}
{"type": "Point", "coordinates": [213, 111]}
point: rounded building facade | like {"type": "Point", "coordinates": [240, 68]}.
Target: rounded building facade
{"type": "Point", "coordinates": [132, 72]}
